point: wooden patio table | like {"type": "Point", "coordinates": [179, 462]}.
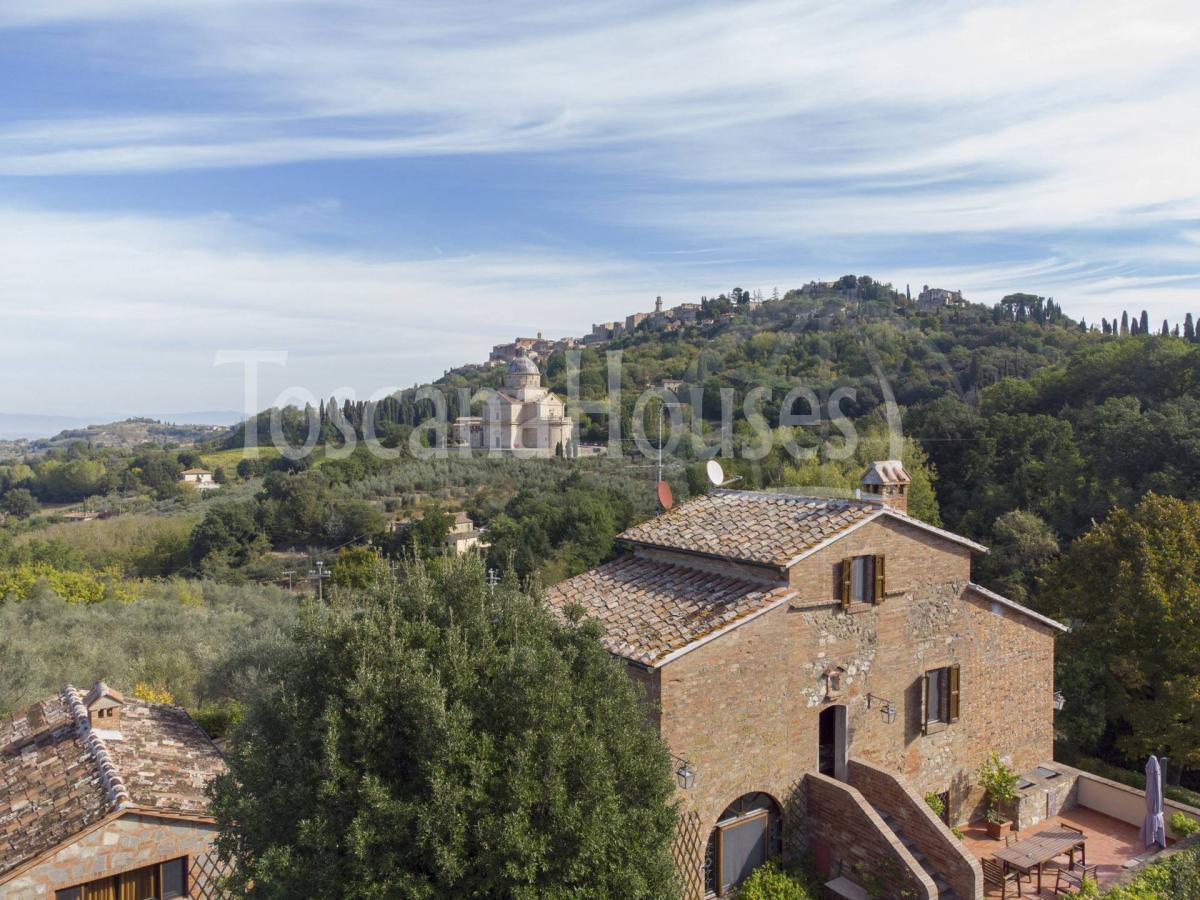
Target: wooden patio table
{"type": "Point", "coordinates": [1034, 852]}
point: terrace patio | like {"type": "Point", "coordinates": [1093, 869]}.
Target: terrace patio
{"type": "Point", "coordinates": [1111, 843]}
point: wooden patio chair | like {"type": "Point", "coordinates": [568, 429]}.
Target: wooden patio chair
{"type": "Point", "coordinates": [1010, 839]}
{"type": "Point", "coordinates": [1081, 847]}
{"type": "Point", "coordinates": [1070, 881]}
{"type": "Point", "coordinates": [993, 873]}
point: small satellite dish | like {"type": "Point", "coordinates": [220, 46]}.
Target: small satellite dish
{"type": "Point", "coordinates": [665, 500]}
{"type": "Point", "coordinates": [715, 473]}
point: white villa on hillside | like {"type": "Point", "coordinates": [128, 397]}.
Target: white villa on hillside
{"type": "Point", "coordinates": [522, 418]}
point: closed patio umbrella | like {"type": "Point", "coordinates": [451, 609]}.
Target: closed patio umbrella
{"type": "Point", "coordinates": [1153, 830]}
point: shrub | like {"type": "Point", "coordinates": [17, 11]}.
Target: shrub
{"type": "Point", "coordinates": [934, 802]}
{"type": "Point", "coordinates": [1183, 826]}
{"type": "Point", "coordinates": [1176, 876]}
{"type": "Point", "coordinates": [769, 882]}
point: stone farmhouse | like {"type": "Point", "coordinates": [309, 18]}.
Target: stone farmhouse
{"type": "Point", "coordinates": [523, 418]}
{"type": "Point", "coordinates": [818, 666]}
{"type": "Point", "coordinates": [201, 479]}
{"type": "Point", "coordinates": [463, 536]}
{"type": "Point", "coordinates": [102, 798]}
{"type": "Point", "coordinates": [935, 298]}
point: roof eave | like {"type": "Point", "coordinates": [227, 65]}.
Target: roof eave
{"type": "Point", "coordinates": [1017, 607]}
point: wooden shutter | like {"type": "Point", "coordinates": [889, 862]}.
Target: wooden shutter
{"type": "Point", "coordinates": [925, 703]}
{"type": "Point", "coordinates": [880, 581]}
{"type": "Point", "coordinates": [847, 566]}
{"type": "Point", "coordinates": [953, 704]}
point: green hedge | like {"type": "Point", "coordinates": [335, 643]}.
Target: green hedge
{"type": "Point", "coordinates": [1174, 878]}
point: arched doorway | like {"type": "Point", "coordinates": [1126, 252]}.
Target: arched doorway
{"type": "Point", "coordinates": [747, 834]}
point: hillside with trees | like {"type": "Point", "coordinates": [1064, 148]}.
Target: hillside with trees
{"type": "Point", "coordinates": [1037, 434]}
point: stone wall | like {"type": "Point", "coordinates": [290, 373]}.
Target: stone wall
{"type": "Point", "coordinates": [129, 842]}
{"type": "Point", "coordinates": [849, 838]}
{"type": "Point", "coordinates": [744, 708]}
{"type": "Point", "coordinates": [913, 817]}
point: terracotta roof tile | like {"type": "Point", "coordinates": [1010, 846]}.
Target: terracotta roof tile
{"type": "Point", "coordinates": [764, 528]}
{"type": "Point", "coordinates": [650, 609]}
{"type": "Point", "coordinates": [58, 775]}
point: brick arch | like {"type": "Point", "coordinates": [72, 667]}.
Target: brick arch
{"type": "Point", "coordinates": [745, 807]}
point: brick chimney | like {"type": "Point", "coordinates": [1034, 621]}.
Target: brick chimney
{"type": "Point", "coordinates": [887, 480]}
{"type": "Point", "coordinates": [103, 706]}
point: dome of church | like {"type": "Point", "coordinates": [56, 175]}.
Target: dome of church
{"type": "Point", "coordinates": [523, 365]}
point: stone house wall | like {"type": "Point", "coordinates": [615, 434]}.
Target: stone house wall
{"type": "Point", "coordinates": [744, 708]}
{"type": "Point", "coordinates": [128, 842]}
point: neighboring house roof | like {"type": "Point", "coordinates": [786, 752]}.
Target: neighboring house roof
{"type": "Point", "coordinates": [1016, 607]}
{"type": "Point", "coordinates": [652, 611]}
{"type": "Point", "coordinates": [196, 472]}
{"type": "Point", "coordinates": [58, 776]}
{"type": "Point", "coordinates": [765, 528]}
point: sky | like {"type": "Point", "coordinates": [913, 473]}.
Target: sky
{"type": "Point", "coordinates": [382, 190]}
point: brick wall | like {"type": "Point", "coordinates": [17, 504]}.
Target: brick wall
{"type": "Point", "coordinates": [851, 836]}
{"type": "Point", "coordinates": [887, 792]}
{"type": "Point", "coordinates": [744, 708]}
{"type": "Point", "coordinates": [129, 842]}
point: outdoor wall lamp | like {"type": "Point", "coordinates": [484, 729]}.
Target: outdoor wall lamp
{"type": "Point", "coordinates": [886, 707]}
{"type": "Point", "coordinates": [685, 774]}
{"type": "Point", "coordinates": [1059, 700]}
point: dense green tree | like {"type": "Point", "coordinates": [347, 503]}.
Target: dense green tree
{"type": "Point", "coordinates": [229, 533]}
{"type": "Point", "coordinates": [1129, 589]}
{"type": "Point", "coordinates": [1022, 544]}
{"type": "Point", "coordinates": [20, 502]}
{"type": "Point", "coordinates": [447, 739]}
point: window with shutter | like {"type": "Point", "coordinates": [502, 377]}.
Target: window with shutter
{"type": "Point", "coordinates": [952, 690]}
{"type": "Point", "coordinates": [847, 570]}
{"type": "Point", "coordinates": [880, 582]}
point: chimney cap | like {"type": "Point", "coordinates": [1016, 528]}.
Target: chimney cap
{"type": "Point", "coordinates": [101, 691]}
{"type": "Point", "coordinates": [886, 471]}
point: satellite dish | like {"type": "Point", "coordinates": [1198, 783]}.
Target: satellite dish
{"type": "Point", "coordinates": [715, 473]}
{"type": "Point", "coordinates": [665, 500]}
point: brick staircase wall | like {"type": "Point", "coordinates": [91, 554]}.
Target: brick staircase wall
{"type": "Point", "coordinates": [891, 794]}
{"type": "Point", "coordinates": [842, 826]}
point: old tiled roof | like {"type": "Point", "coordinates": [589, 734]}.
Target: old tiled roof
{"type": "Point", "coordinates": [765, 528]}
{"type": "Point", "coordinates": [58, 776]}
{"type": "Point", "coordinates": [650, 609]}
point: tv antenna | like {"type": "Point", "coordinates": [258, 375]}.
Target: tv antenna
{"type": "Point", "coordinates": [717, 475]}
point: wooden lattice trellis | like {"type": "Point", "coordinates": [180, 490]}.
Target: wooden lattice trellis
{"type": "Point", "coordinates": [207, 877]}
{"type": "Point", "coordinates": [688, 850]}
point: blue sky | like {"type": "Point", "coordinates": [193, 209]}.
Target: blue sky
{"type": "Point", "coordinates": [384, 189]}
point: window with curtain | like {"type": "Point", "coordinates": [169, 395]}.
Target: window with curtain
{"type": "Point", "coordinates": [161, 881]}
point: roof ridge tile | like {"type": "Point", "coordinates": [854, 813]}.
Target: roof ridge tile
{"type": "Point", "coordinates": [110, 776]}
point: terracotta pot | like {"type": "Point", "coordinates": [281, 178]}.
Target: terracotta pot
{"type": "Point", "coordinates": [997, 830]}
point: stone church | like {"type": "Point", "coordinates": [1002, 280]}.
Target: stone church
{"type": "Point", "coordinates": [522, 418]}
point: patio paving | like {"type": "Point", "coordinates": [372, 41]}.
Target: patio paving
{"type": "Point", "coordinates": [1110, 844]}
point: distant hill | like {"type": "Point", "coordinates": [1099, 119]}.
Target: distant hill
{"type": "Point", "coordinates": [115, 435]}
{"type": "Point", "coordinates": [29, 427]}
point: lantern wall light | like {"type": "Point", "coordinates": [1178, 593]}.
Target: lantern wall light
{"type": "Point", "coordinates": [685, 774]}
{"type": "Point", "coordinates": [886, 707]}
{"type": "Point", "coordinates": [1059, 700]}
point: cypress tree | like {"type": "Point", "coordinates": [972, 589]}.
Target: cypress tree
{"type": "Point", "coordinates": [1166, 328]}
{"type": "Point", "coordinates": [1124, 323]}
{"type": "Point", "coordinates": [1189, 328]}
{"type": "Point", "coordinates": [1144, 325]}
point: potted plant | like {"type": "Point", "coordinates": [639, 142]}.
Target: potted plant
{"type": "Point", "coordinates": [999, 783]}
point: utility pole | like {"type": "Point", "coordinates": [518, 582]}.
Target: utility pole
{"type": "Point", "coordinates": [492, 580]}
{"type": "Point", "coordinates": [320, 575]}
{"type": "Point", "coordinates": [289, 573]}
